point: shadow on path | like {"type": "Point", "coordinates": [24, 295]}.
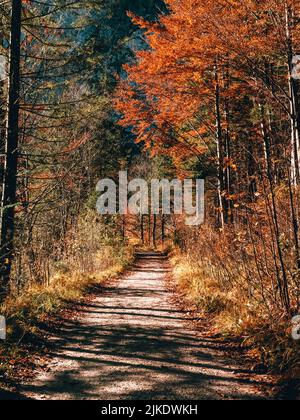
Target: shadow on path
{"type": "Point", "coordinates": [130, 343]}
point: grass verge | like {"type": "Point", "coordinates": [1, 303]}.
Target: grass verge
{"type": "Point", "coordinates": [25, 313]}
{"type": "Point", "coordinates": [268, 343]}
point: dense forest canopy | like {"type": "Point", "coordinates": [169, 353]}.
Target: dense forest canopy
{"type": "Point", "coordinates": [219, 84]}
{"type": "Point", "coordinates": [70, 56]}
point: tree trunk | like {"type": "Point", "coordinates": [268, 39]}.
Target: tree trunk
{"type": "Point", "coordinates": [149, 230]}
{"type": "Point", "coordinates": [154, 230]}
{"type": "Point", "coordinates": [283, 281]}
{"type": "Point", "coordinates": [294, 103]}
{"type": "Point", "coordinates": [163, 228]}
{"type": "Point", "coordinates": [2, 123]}
{"type": "Point", "coordinates": [2, 131]}
{"type": "Point", "coordinates": [9, 193]}
{"type": "Point", "coordinates": [220, 151]}
{"type": "Point", "coordinates": [142, 230]}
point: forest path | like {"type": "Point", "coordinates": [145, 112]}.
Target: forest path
{"type": "Point", "coordinates": [130, 343]}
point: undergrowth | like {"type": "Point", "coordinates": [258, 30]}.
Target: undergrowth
{"type": "Point", "coordinates": [25, 312]}
{"type": "Point", "coordinates": [235, 313]}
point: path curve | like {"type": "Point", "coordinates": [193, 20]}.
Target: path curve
{"type": "Point", "coordinates": [131, 343]}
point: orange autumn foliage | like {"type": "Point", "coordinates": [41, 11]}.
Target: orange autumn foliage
{"type": "Point", "coordinates": [168, 95]}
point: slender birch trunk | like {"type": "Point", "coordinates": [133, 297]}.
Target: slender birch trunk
{"type": "Point", "coordinates": [220, 152]}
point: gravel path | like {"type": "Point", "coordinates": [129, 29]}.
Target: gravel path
{"type": "Point", "coordinates": [131, 343]}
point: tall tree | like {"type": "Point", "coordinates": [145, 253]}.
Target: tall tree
{"type": "Point", "coordinates": [9, 192]}
{"type": "Point", "coordinates": [231, 65]}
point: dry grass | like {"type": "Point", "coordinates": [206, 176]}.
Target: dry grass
{"type": "Point", "coordinates": [204, 291]}
{"type": "Point", "coordinates": [221, 293]}
{"type": "Point", "coordinates": [25, 312]}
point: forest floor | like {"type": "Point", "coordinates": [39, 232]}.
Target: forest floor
{"type": "Point", "coordinates": [130, 341]}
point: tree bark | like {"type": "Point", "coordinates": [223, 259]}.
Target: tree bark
{"type": "Point", "coordinates": [163, 228]}
{"type": "Point", "coordinates": [294, 103]}
{"type": "Point", "coordinates": [2, 123]}
{"type": "Point", "coordinates": [283, 283]}
{"type": "Point", "coordinates": [9, 192]}
{"type": "Point", "coordinates": [142, 230]}
{"type": "Point", "coordinates": [220, 151]}
{"type": "Point", "coordinates": [154, 230]}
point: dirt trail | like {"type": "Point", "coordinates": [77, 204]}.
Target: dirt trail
{"type": "Point", "coordinates": [131, 343]}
